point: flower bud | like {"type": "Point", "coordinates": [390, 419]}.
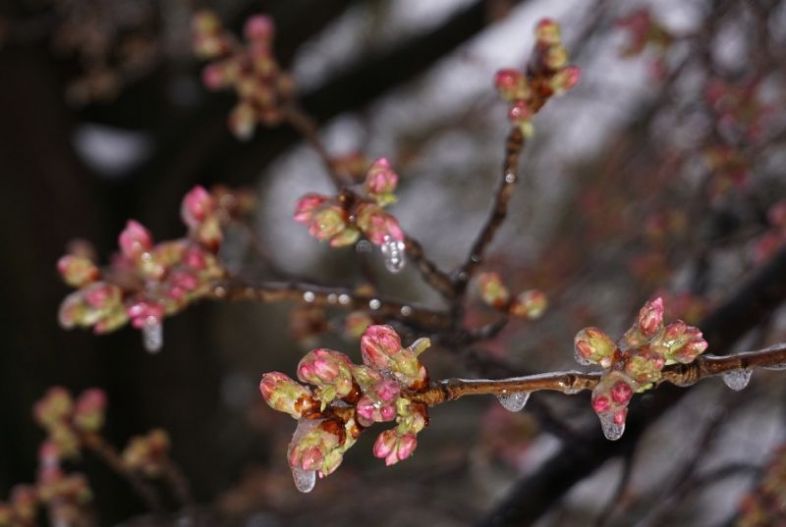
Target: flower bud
{"type": "Point", "coordinates": [381, 181]}
{"type": "Point", "coordinates": [651, 317]}
{"type": "Point", "coordinates": [135, 240]}
{"type": "Point", "coordinates": [381, 349]}
{"type": "Point", "coordinates": [394, 448]}
{"type": "Point", "coordinates": [197, 205]}
{"type": "Point", "coordinates": [492, 291]}
{"type": "Point", "coordinates": [318, 446]}
{"type": "Point", "coordinates": [242, 121]}
{"type": "Point", "coordinates": [547, 32]}
{"type": "Point", "coordinates": [510, 84]}
{"type": "Point", "coordinates": [529, 304]}
{"type": "Point", "coordinates": [147, 454]}
{"type": "Point", "coordinates": [56, 406]}
{"type": "Point", "coordinates": [259, 27]}
{"type": "Point", "coordinates": [329, 371]}
{"type": "Point", "coordinates": [90, 410]}
{"type": "Point", "coordinates": [285, 395]}
{"type": "Point", "coordinates": [644, 365]}
{"type": "Point", "coordinates": [77, 271]}
{"type": "Point", "coordinates": [377, 225]}
{"type": "Point", "coordinates": [594, 346]}
{"type": "Point", "coordinates": [378, 403]}
{"type": "Point", "coordinates": [680, 342]}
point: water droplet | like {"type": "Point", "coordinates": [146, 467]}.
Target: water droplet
{"type": "Point", "coordinates": [580, 359]}
{"type": "Point", "coordinates": [406, 310]}
{"type": "Point", "coordinates": [737, 379]}
{"type": "Point", "coordinates": [152, 335]}
{"type": "Point", "coordinates": [611, 429]}
{"type": "Point", "coordinates": [344, 299]}
{"type": "Point", "coordinates": [513, 402]}
{"type": "Point", "coordinates": [374, 304]}
{"type": "Point", "coordinates": [394, 255]}
{"type": "Point", "coordinates": [304, 479]}
{"type": "Point", "coordinates": [309, 296]}
{"type": "Point", "coordinates": [510, 178]}
{"type": "Point", "coordinates": [332, 298]}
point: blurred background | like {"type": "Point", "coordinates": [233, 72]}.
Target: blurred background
{"type": "Point", "coordinates": [660, 173]}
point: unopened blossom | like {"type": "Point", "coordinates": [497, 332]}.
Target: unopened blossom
{"type": "Point", "coordinates": [530, 304]}
{"type": "Point", "coordinates": [318, 446]}
{"type": "Point", "coordinates": [377, 225]}
{"type": "Point", "coordinates": [196, 206]}
{"type": "Point", "coordinates": [492, 290]}
{"type": "Point", "coordinates": [285, 395]}
{"type": "Point", "coordinates": [329, 371]}
{"type": "Point", "coordinates": [594, 346]}
{"type": "Point", "coordinates": [135, 240]}
{"type": "Point", "coordinates": [56, 406]}
{"type": "Point", "coordinates": [393, 447]}
{"type": "Point", "coordinates": [381, 349]}
{"type": "Point", "coordinates": [680, 342]}
{"type": "Point", "coordinates": [381, 181]}
{"type": "Point", "coordinates": [147, 453]}
{"type": "Point", "coordinates": [378, 403]}
{"type": "Point", "coordinates": [77, 271]}
{"type": "Point", "coordinates": [90, 409]}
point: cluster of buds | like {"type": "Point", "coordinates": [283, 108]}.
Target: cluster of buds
{"type": "Point", "coordinates": [635, 362]}
{"type": "Point", "coordinates": [337, 399]}
{"type": "Point", "coordinates": [66, 420]}
{"type": "Point", "coordinates": [147, 454]}
{"type": "Point", "coordinates": [529, 304]}
{"type": "Point", "coordinates": [21, 510]}
{"type": "Point", "coordinates": [766, 505]}
{"type": "Point", "coordinates": [547, 74]}
{"type": "Point", "coordinates": [250, 70]}
{"type": "Point", "coordinates": [644, 32]}
{"type": "Point", "coordinates": [741, 114]}
{"type": "Point", "coordinates": [343, 218]}
{"type": "Point", "coordinates": [775, 237]}
{"type": "Point", "coordinates": [148, 281]}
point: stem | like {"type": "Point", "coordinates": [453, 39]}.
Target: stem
{"type": "Point", "coordinates": [499, 211]}
{"type": "Point", "coordinates": [379, 308]}
{"type": "Point", "coordinates": [436, 278]}
{"type": "Point", "coordinates": [177, 483]}
{"type": "Point", "coordinates": [572, 382]}
{"type": "Point", "coordinates": [107, 453]}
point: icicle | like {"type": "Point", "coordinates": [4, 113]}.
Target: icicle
{"type": "Point", "coordinates": [304, 479]}
{"type": "Point", "coordinates": [513, 402]}
{"type": "Point", "coordinates": [394, 255]}
{"type": "Point", "coordinates": [737, 379]}
{"type": "Point", "coordinates": [153, 334]}
{"type": "Point", "coordinates": [611, 429]}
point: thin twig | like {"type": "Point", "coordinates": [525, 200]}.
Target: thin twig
{"type": "Point", "coordinates": [499, 211]}
{"type": "Point", "coordinates": [572, 382]}
{"type": "Point", "coordinates": [379, 308]}
{"type": "Point", "coordinates": [107, 453]}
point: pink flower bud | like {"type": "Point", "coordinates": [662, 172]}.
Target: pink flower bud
{"type": "Point", "coordinates": [329, 371]}
{"type": "Point", "coordinates": [56, 406]}
{"type": "Point", "coordinates": [378, 345]}
{"type": "Point", "coordinates": [601, 404]}
{"type": "Point", "coordinates": [381, 179]}
{"type": "Point", "coordinates": [197, 205]}
{"type": "Point", "coordinates": [530, 304]}
{"type": "Point", "coordinates": [378, 404]}
{"type": "Point", "coordinates": [547, 32]}
{"type": "Point", "coordinates": [259, 27]}
{"type": "Point", "coordinates": [555, 57]}
{"type": "Point", "coordinates": [318, 445]}
{"type": "Point", "coordinates": [651, 317]}
{"type": "Point", "coordinates": [77, 271]}
{"type": "Point", "coordinates": [90, 409]}
{"type": "Point", "coordinates": [509, 83]}
{"type": "Point", "coordinates": [135, 240]}
{"type": "Point", "coordinates": [394, 448]}
{"type": "Point", "coordinates": [142, 312]}
{"type": "Point", "coordinates": [328, 221]}
{"type": "Point", "coordinates": [680, 342]}
{"type": "Point", "coordinates": [377, 225]}
{"type": "Point", "coordinates": [594, 346]}
{"type": "Point", "coordinates": [621, 392]}
{"type": "Point", "coordinates": [492, 291]}
{"type": "Point", "coordinates": [285, 395]}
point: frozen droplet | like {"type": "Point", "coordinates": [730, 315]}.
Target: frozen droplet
{"type": "Point", "coordinates": [510, 178]}
{"type": "Point", "coordinates": [580, 359]}
{"type": "Point", "coordinates": [394, 255]}
{"type": "Point", "coordinates": [152, 335]}
{"type": "Point", "coordinates": [374, 304]}
{"type": "Point", "coordinates": [309, 296]}
{"type": "Point", "coordinates": [344, 299]}
{"type": "Point", "coordinates": [514, 401]}
{"type": "Point", "coordinates": [737, 379]}
{"type": "Point", "coordinates": [304, 479]}
{"type": "Point", "coordinates": [611, 429]}
{"type": "Point", "coordinates": [406, 310]}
